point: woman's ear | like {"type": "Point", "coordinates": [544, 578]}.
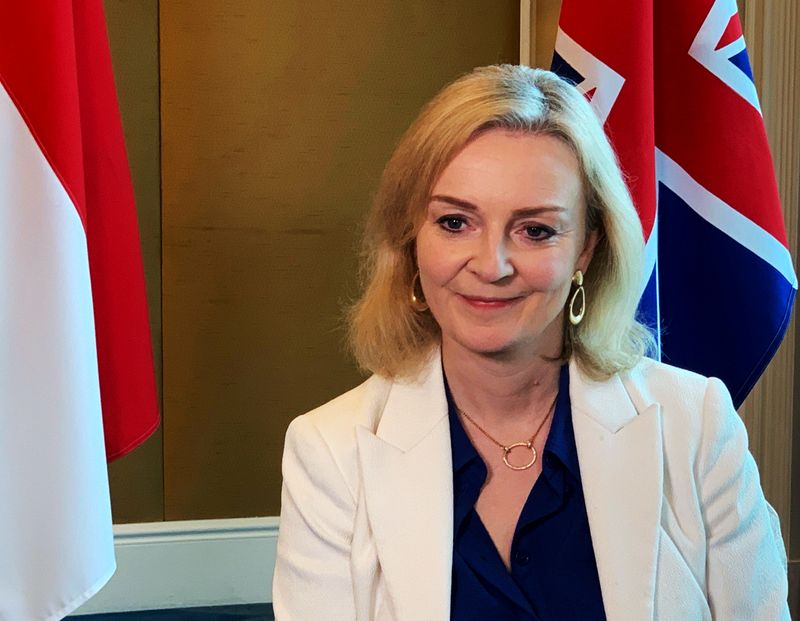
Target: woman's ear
{"type": "Point", "coordinates": [590, 243]}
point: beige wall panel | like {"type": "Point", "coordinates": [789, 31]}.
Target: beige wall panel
{"type": "Point", "coordinates": [277, 118]}
{"type": "Point", "coordinates": [137, 479]}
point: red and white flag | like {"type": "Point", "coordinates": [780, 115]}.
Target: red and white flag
{"type": "Point", "coordinates": [73, 316]}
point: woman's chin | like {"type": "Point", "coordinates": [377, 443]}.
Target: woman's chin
{"type": "Point", "coordinates": [505, 345]}
{"type": "Point", "coordinates": [493, 345]}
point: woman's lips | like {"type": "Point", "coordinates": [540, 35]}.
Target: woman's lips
{"type": "Point", "coordinates": [489, 303]}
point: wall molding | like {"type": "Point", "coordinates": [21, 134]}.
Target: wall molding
{"type": "Point", "coordinates": [185, 564]}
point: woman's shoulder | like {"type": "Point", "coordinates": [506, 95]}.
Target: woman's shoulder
{"type": "Point", "coordinates": [653, 381]}
{"type": "Point", "coordinates": [332, 426]}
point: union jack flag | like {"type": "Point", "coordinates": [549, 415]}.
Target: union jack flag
{"type": "Point", "coordinates": [672, 82]}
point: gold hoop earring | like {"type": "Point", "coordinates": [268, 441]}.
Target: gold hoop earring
{"type": "Point", "coordinates": [418, 302]}
{"type": "Point", "coordinates": [576, 317]}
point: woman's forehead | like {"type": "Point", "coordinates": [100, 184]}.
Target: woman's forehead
{"type": "Point", "coordinates": [517, 170]}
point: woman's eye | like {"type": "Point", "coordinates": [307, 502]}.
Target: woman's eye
{"type": "Point", "coordinates": [452, 223]}
{"type": "Point", "coordinates": [539, 232]}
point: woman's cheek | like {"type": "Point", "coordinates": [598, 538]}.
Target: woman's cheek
{"type": "Point", "coordinates": [440, 264]}
{"type": "Point", "coordinates": [547, 274]}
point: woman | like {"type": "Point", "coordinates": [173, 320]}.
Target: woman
{"type": "Point", "coordinates": [514, 455]}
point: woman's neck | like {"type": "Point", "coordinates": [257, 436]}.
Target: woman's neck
{"type": "Point", "coordinates": [500, 390]}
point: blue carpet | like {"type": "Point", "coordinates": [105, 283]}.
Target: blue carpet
{"type": "Point", "coordinates": [246, 612]}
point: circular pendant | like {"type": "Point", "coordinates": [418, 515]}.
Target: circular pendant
{"type": "Point", "coordinates": [507, 450]}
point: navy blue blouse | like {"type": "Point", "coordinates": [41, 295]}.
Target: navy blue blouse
{"type": "Point", "coordinates": [553, 574]}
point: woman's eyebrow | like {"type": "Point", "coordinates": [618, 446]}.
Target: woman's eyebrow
{"type": "Point", "coordinates": [457, 202]}
{"type": "Point", "coordinates": [522, 212]}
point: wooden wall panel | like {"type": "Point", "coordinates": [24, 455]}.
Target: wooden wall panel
{"type": "Point", "coordinates": [137, 479]}
{"type": "Point", "coordinates": [277, 118]}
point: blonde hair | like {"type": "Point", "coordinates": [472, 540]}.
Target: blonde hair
{"type": "Point", "coordinates": [387, 335]}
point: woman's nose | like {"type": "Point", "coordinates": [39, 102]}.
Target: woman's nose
{"type": "Point", "coordinates": [491, 261]}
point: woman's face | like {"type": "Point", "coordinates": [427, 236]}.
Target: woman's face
{"type": "Point", "coordinates": [503, 234]}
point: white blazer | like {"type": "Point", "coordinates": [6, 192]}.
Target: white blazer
{"type": "Point", "coordinates": [680, 527]}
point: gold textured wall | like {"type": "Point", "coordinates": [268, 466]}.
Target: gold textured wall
{"type": "Point", "coordinates": [275, 121]}
{"type": "Point", "coordinates": [137, 480]}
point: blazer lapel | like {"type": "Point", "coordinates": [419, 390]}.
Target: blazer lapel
{"type": "Point", "coordinates": [406, 468]}
{"type": "Point", "coordinates": [620, 456]}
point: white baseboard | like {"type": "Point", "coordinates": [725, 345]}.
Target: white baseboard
{"type": "Point", "coordinates": [187, 564]}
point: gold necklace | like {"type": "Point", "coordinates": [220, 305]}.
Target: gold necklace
{"type": "Point", "coordinates": [507, 448]}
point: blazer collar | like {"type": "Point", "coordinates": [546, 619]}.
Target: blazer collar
{"type": "Point", "coordinates": [607, 403]}
{"type": "Point", "coordinates": [403, 422]}
{"type": "Point", "coordinates": [414, 406]}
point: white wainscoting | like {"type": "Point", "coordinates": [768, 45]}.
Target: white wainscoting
{"type": "Point", "coordinates": [191, 563]}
